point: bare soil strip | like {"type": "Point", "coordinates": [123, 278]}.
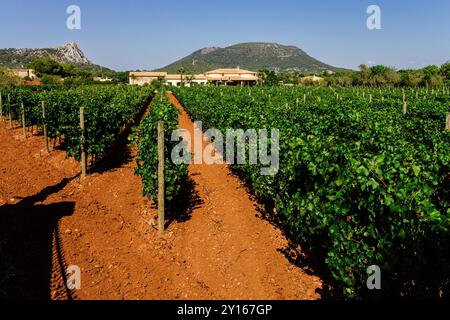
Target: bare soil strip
{"type": "Point", "coordinates": [216, 245]}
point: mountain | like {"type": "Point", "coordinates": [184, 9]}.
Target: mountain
{"type": "Point", "coordinates": [252, 56]}
{"type": "Point", "coordinates": [68, 53]}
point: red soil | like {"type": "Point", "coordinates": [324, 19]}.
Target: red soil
{"type": "Point", "coordinates": [217, 247]}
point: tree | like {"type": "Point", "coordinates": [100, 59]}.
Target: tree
{"type": "Point", "coordinates": [410, 78]}
{"type": "Point", "coordinates": [270, 78]}
{"type": "Point", "coordinates": [70, 70]}
{"type": "Point", "coordinates": [262, 75]}
{"type": "Point", "coordinates": [120, 77]}
{"type": "Point", "coordinates": [445, 70]}
{"type": "Point", "coordinates": [7, 78]}
{"type": "Point", "coordinates": [365, 73]}
{"type": "Point", "coordinates": [158, 83]}
{"type": "Point", "coordinates": [392, 78]}
{"type": "Point", "coordinates": [181, 72]}
{"type": "Point", "coordinates": [380, 70]}
{"type": "Point", "coordinates": [378, 75]}
{"type": "Point", "coordinates": [431, 70]}
{"type": "Point", "coordinates": [433, 80]}
{"type": "Point", "coordinates": [43, 66]}
{"type": "Point", "coordinates": [190, 79]}
{"type": "Point", "coordinates": [377, 80]}
{"type": "Point", "coordinates": [345, 81]}
{"type": "Point", "coordinates": [51, 79]}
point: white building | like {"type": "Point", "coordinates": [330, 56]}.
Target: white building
{"type": "Point", "coordinates": [24, 73]}
{"type": "Point", "coordinates": [104, 79]}
{"type": "Point", "coordinates": [141, 78]}
{"type": "Point", "coordinates": [217, 77]}
{"type": "Point", "coordinates": [188, 80]}
{"type": "Point", "coordinates": [232, 77]}
{"type": "Point", "coordinates": [311, 79]}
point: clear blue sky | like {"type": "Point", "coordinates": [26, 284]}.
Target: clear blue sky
{"type": "Point", "coordinates": [147, 34]}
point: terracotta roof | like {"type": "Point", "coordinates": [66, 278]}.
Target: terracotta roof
{"type": "Point", "coordinates": [148, 74]}
{"type": "Point", "coordinates": [185, 77]}
{"type": "Point", "coordinates": [175, 77]}
{"type": "Point", "coordinates": [234, 79]}
{"type": "Point", "coordinates": [230, 71]}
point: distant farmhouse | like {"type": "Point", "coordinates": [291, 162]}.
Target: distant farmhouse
{"type": "Point", "coordinates": [227, 77]}
{"type": "Point", "coordinates": [311, 79]}
{"type": "Point", "coordinates": [103, 79]}
{"type": "Point", "coordinates": [26, 76]}
{"type": "Point", "coordinates": [24, 73]}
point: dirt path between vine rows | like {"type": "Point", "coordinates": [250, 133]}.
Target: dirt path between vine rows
{"type": "Point", "coordinates": [216, 246]}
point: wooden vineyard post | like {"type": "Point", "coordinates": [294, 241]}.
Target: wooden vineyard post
{"type": "Point", "coordinates": [24, 128]}
{"type": "Point", "coordinates": [83, 144]}
{"type": "Point", "coordinates": [44, 126]}
{"type": "Point", "coordinates": [304, 98]}
{"type": "Point", "coordinates": [161, 191]}
{"type": "Point", "coordinates": [405, 108]}
{"type": "Point", "coordinates": [370, 98]}
{"type": "Point", "coordinates": [9, 109]}
{"type": "Point", "coordinates": [1, 107]}
{"type": "Point", "coordinates": [447, 122]}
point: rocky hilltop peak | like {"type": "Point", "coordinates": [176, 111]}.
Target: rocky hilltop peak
{"type": "Point", "coordinates": [70, 52]}
{"type": "Point", "coordinates": [66, 53]}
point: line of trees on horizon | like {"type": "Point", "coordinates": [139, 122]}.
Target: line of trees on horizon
{"type": "Point", "coordinates": [379, 75]}
{"type": "Point", "coordinates": [375, 76]}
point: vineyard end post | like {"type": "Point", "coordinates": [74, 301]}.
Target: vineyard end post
{"type": "Point", "coordinates": [10, 113]}
{"type": "Point", "coordinates": [447, 123]}
{"type": "Point", "coordinates": [24, 128]}
{"type": "Point", "coordinates": [1, 107]}
{"type": "Point", "coordinates": [161, 191]}
{"type": "Point", "coordinates": [44, 127]}
{"type": "Point", "coordinates": [83, 143]}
